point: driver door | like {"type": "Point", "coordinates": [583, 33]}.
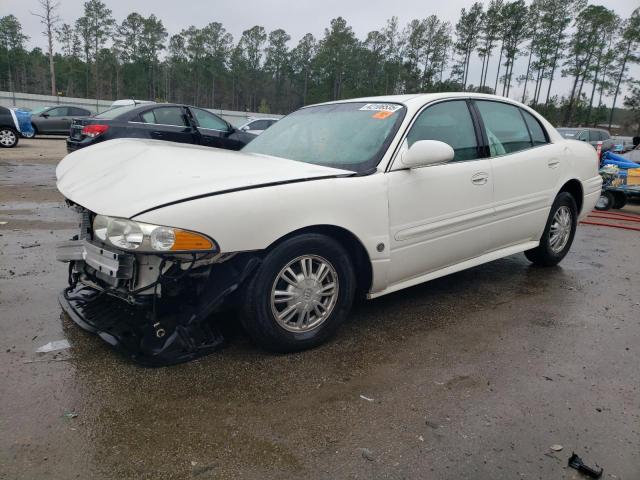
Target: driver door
{"type": "Point", "coordinates": [213, 130]}
{"type": "Point", "coordinates": [440, 215]}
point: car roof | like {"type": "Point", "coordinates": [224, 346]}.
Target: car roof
{"type": "Point", "coordinates": [418, 99]}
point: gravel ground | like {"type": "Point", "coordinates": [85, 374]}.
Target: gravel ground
{"type": "Point", "coordinates": [474, 375]}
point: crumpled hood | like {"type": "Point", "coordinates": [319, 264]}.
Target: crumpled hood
{"type": "Point", "coordinates": [127, 176]}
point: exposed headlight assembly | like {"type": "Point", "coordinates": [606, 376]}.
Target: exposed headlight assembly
{"type": "Point", "coordinates": [130, 235]}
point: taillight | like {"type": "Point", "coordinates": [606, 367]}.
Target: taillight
{"type": "Point", "coordinates": [94, 130]}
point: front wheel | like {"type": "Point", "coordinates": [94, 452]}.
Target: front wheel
{"type": "Point", "coordinates": [31, 134]}
{"type": "Point", "coordinates": [558, 233]}
{"type": "Point", "coordinates": [605, 202]}
{"type": "Point", "coordinates": [300, 295]}
{"type": "Point", "coordinates": [8, 137]}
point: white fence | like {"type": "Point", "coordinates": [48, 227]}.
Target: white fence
{"type": "Point", "coordinates": [32, 100]}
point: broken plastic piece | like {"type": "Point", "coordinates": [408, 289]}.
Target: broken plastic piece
{"type": "Point", "coordinates": [576, 462]}
{"type": "Point", "coordinates": [53, 346]}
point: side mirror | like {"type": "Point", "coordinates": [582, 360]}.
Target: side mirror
{"type": "Point", "coordinates": [427, 152]}
{"type": "Point", "coordinates": [44, 115]}
{"type": "Point", "coordinates": [245, 128]}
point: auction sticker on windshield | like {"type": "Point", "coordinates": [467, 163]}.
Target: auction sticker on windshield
{"type": "Point", "coordinates": [381, 107]}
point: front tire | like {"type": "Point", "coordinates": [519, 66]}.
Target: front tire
{"type": "Point", "coordinates": [8, 137]}
{"type": "Point", "coordinates": [300, 295]}
{"type": "Point", "coordinates": [31, 135]}
{"type": "Point", "coordinates": [558, 234]}
{"type": "Point", "coordinates": [605, 202]}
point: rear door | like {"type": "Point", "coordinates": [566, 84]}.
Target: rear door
{"type": "Point", "coordinates": [168, 123]}
{"type": "Point", "coordinates": [526, 170]}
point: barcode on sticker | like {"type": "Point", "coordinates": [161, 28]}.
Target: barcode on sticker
{"type": "Point", "coordinates": [381, 107]}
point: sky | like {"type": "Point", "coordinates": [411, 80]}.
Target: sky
{"type": "Point", "coordinates": [297, 17]}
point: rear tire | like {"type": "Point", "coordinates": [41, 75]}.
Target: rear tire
{"type": "Point", "coordinates": [619, 200]}
{"type": "Point", "coordinates": [8, 137]}
{"type": "Point", "coordinates": [300, 295]}
{"type": "Point", "coordinates": [558, 234]}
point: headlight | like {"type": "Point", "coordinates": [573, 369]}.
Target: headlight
{"type": "Point", "coordinates": [124, 233]}
{"type": "Point", "coordinates": [130, 235]}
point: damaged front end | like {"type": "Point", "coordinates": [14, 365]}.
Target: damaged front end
{"type": "Point", "coordinates": [154, 306]}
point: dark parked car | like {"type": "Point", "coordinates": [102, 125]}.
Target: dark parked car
{"type": "Point", "coordinates": [171, 122]}
{"type": "Point", "coordinates": [56, 120]}
{"type": "Point", "coordinates": [8, 129]}
{"type": "Point", "coordinates": [591, 135]}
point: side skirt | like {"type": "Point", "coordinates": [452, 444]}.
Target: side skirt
{"type": "Point", "coordinates": [473, 262]}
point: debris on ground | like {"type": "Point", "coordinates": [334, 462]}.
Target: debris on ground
{"type": "Point", "coordinates": [53, 346]}
{"type": "Point", "coordinates": [368, 454]}
{"type": "Point", "coordinates": [576, 462]}
{"type": "Point", "coordinates": [556, 447]}
{"type": "Point", "coordinates": [32, 245]}
{"type": "Point", "coordinates": [367, 398]}
{"type": "Point", "coordinates": [70, 415]}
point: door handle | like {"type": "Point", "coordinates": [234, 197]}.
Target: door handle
{"type": "Point", "coordinates": [480, 178]}
{"type": "Point", "coordinates": [553, 162]}
{"type": "Point", "coordinates": [157, 134]}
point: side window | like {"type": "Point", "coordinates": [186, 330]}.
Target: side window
{"type": "Point", "coordinates": [79, 112]}
{"type": "Point", "coordinates": [594, 135]}
{"type": "Point", "coordinates": [148, 117]}
{"type": "Point", "coordinates": [58, 112]}
{"type": "Point", "coordinates": [506, 130]}
{"type": "Point", "coordinates": [170, 116]}
{"type": "Point", "coordinates": [449, 122]}
{"type": "Point", "coordinates": [583, 135]}
{"type": "Point", "coordinates": [209, 120]}
{"type": "Point", "coordinates": [537, 133]}
{"type": "Point", "coordinates": [259, 125]}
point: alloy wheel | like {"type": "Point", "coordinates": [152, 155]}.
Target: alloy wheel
{"type": "Point", "coordinates": [7, 138]}
{"type": "Point", "coordinates": [560, 230]}
{"type": "Point", "coordinates": [304, 293]}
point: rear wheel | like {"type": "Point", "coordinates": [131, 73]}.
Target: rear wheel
{"type": "Point", "coordinates": [558, 234]}
{"type": "Point", "coordinates": [300, 295]}
{"type": "Point", "coordinates": [8, 137]}
{"type": "Point", "coordinates": [619, 200]}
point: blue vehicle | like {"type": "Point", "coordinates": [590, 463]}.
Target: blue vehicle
{"type": "Point", "coordinates": [615, 188]}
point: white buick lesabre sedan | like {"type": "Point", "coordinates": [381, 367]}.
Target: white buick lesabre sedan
{"type": "Point", "coordinates": [365, 196]}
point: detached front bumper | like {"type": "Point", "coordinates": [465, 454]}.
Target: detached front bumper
{"type": "Point", "coordinates": [158, 321]}
{"type": "Point", "coordinates": [135, 332]}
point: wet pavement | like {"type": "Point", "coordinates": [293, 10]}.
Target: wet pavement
{"type": "Point", "coordinates": [472, 376]}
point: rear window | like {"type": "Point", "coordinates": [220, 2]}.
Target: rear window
{"type": "Point", "coordinates": [115, 112]}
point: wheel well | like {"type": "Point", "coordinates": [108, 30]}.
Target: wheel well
{"type": "Point", "coordinates": [351, 243]}
{"type": "Point", "coordinates": [574, 188]}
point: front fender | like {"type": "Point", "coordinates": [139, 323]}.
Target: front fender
{"type": "Point", "coordinates": [254, 219]}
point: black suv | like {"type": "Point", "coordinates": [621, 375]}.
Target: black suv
{"type": "Point", "coordinates": [170, 122]}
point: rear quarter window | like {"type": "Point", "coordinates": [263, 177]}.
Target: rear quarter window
{"type": "Point", "coordinates": [538, 135]}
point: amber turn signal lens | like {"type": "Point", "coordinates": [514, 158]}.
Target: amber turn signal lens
{"type": "Point", "coordinates": [191, 241]}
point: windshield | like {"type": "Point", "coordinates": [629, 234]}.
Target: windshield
{"type": "Point", "coordinates": [349, 136]}
{"type": "Point", "coordinates": [569, 132]}
{"type": "Point", "coordinates": [115, 111]}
